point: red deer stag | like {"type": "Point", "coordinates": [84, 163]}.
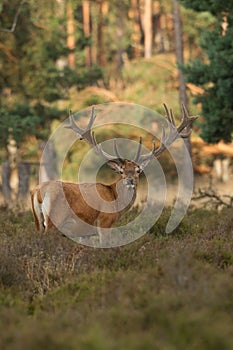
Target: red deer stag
{"type": "Point", "coordinates": [54, 201]}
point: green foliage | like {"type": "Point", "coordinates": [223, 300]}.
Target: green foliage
{"type": "Point", "coordinates": [88, 77]}
{"type": "Point", "coordinates": [31, 78]}
{"type": "Point", "coordinates": [159, 292]}
{"type": "Point", "coordinates": [217, 8]}
{"type": "Point", "coordinates": [36, 46]}
{"type": "Point", "coordinates": [21, 120]}
{"type": "Point", "coordinates": [16, 123]}
{"type": "Point", "coordinates": [193, 24]}
{"type": "Point", "coordinates": [214, 75]}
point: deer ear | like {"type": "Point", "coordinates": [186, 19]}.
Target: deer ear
{"type": "Point", "coordinates": [115, 164]}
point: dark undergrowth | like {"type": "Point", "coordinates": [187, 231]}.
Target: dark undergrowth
{"type": "Point", "coordinates": [160, 292]}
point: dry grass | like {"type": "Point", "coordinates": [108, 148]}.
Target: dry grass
{"type": "Point", "coordinates": [161, 292]}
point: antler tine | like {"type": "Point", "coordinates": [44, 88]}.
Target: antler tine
{"type": "Point", "coordinates": [154, 152]}
{"type": "Point", "coordinates": [99, 150]}
{"type": "Point", "coordinates": [186, 122]}
{"type": "Point", "coordinates": [163, 143]}
{"type": "Point", "coordinates": [73, 126]}
{"type": "Point", "coordinates": [88, 135]}
{"type": "Point", "coordinates": [169, 114]}
{"type": "Point", "coordinates": [171, 117]}
{"type": "Point", "coordinates": [137, 156]}
{"type": "Point", "coordinates": [108, 156]}
{"type": "Point", "coordinates": [82, 133]}
{"type": "Point", "coordinates": [116, 149]}
{"type": "Point", "coordinates": [183, 131]}
{"type": "Point", "coordinates": [92, 118]}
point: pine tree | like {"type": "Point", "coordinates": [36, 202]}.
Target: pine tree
{"type": "Point", "coordinates": [214, 73]}
{"type": "Point", "coordinates": [33, 62]}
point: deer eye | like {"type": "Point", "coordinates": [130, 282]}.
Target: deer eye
{"type": "Point", "coordinates": [121, 171]}
{"type": "Point", "coordinates": [138, 170]}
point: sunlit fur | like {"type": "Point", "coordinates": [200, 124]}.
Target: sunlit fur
{"type": "Point", "coordinates": [48, 199]}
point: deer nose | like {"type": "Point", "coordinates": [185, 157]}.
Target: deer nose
{"type": "Point", "coordinates": [130, 182]}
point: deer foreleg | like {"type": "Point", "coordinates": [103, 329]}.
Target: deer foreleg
{"type": "Point", "coordinates": [104, 227]}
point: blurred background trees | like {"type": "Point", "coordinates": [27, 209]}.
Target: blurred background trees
{"type": "Point", "coordinates": [61, 54]}
{"type": "Point", "coordinates": [214, 71]}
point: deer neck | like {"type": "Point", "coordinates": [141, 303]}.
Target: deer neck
{"type": "Point", "coordinates": [125, 197]}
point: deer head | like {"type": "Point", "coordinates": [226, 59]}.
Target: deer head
{"type": "Point", "coordinates": [130, 170]}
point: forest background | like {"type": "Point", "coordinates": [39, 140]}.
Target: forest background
{"type": "Point", "coordinates": [164, 292]}
{"type": "Point", "coordinates": [61, 55]}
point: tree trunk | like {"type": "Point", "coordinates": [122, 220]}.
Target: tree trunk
{"type": "Point", "coordinates": [157, 30]}
{"type": "Point", "coordinates": [120, 32]}
{"type": "Point", "coordinates": [6, 174]}
{"type": "Point", "coordinates": [70, 35]}
{"type": "Point", "coordinates": [100, 34]}
{"type": "Point", "coordinates": [180, 61]}
{"type": "Point", "coordinates": [140, 6]}
{"type": "Point", "coordinates": [23, 174]}
{"type": "Point", "coordinates": [186, 177]}
{"type": "Point", "coordinates": [94, 27]}
{"type": "Point", "coordinates": [148, 29]}
{"type": "Point", "coordinates": [87, 32]}
{"type": "Point", "coordinates": [137, 28]}
{"type": "Point", "coordinates": [179, 51]}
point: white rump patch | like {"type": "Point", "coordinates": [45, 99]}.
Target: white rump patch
{"type": "Point", "coordinates": [46, 207]}
{"type": "Point", "coordinates": [37, 206]}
